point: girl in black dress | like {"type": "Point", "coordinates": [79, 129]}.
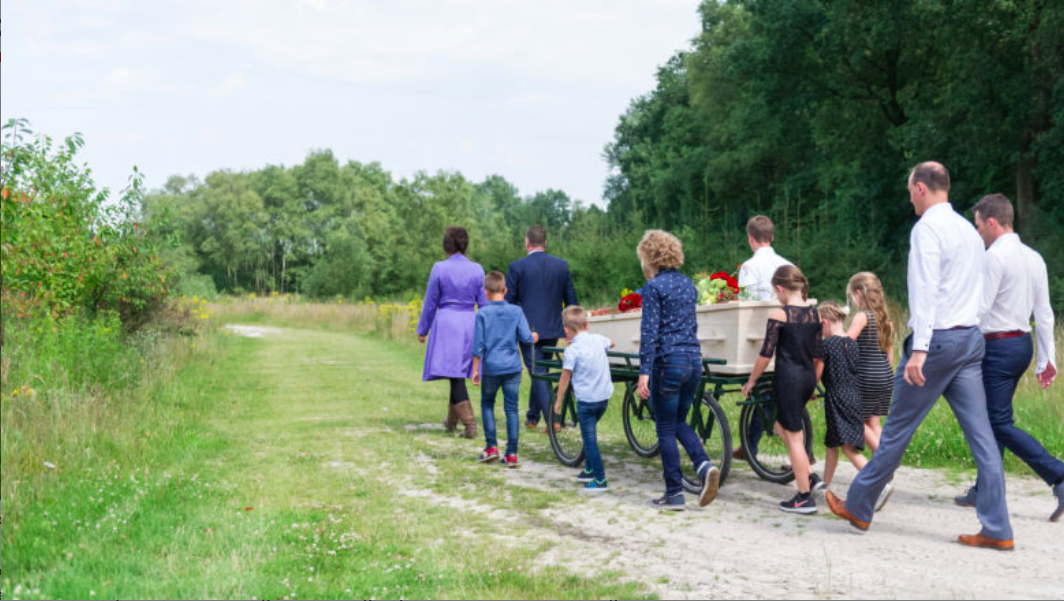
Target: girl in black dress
{"type": "Point", "coordinates": [793, 336]}
{"type": "Point", "coordinates": [840, 357]}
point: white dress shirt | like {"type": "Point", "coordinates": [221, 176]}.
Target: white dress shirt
{"type": "Point", "coordinates": [756, 274]}
{"type": "Point", "coordinates": [946, 258]}
{"type": "Point", "coordinates": [1016, 285]}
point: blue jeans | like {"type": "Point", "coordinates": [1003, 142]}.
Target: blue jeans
{"type": "Point", "coordinates": [539, 393]}
{"type": "Point", "coordinates": [589, 414]}
{"type": "Point", "coordinates": [954, 369]}
{"type": "Point", "coordinates": [1005, 362]}
{"type": "Point", "coordinates": [673, 385]}
{"type": "Point", "coordinates": [489, 387]}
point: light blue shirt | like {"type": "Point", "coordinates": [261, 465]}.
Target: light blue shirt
{"type": "Point", "coordinates": [499, 327]}
{"type": "Point", "coordinates": [586, 358]}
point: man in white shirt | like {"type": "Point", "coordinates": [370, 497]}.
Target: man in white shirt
{"type": "Point", "coordinates": [1016, 286]}
{"type": "Point", "coordinates": [755, 277]}
{"type": "Point", "coordinates": [943, 357]}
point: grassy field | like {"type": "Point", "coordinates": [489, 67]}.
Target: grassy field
{"type": "Point", "coordinates": [266, 469]}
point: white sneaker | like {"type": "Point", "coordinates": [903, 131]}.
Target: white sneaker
{"type": "Point", "coordinates": [884, 496]}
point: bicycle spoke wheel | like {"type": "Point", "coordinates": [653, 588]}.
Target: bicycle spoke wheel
{"type": "Point", "coordinates": [564, 432]}
{"type": "Point", "coordinates": [639, 424]}
{"type": "Point", "coordinates": [766, 453]}
{"type": "Point", "coordinates": [711, 425]}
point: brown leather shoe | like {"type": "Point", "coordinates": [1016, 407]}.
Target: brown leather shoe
{"type": "Point", "coordinates": [978, 540]}
{"type": "Point", "coordinates": [838, 507]}
{"type": "Point", "coordinates": [739, 454]}
{"type": "Point", "coordinates": [531, 425]}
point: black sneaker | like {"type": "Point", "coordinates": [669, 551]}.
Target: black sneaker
{"type": "Point", "coordinates": [667, 502]}
{"type": "Point", "coordinates": [585, 476]}
{"type": "Point", "coordinates": [803, 504]}
{"type": "Point", "coordinates": [816, 485]}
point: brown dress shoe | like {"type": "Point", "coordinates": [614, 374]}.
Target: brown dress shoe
{"type": "Point", "coordinates": [978, 540]}
{"type": "Point", "coordinates": [838, 507]}
{"type": "Point", "coordinates": [739, 454]}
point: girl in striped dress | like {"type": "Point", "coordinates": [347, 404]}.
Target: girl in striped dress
{"type": "Point", "coordinates": [873, 330]}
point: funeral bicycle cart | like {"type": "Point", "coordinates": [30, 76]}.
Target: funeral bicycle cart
{"type": "Point", "coordinates": [731, 335]}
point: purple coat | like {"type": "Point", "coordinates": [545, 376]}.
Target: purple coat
{"type": "Point", "coordinates": [455, 286]}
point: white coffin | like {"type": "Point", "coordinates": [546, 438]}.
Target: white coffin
{"type": "Point", "coordinates": [732, 331]}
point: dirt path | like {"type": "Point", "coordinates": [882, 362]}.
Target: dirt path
{"type": "Point", "coordinates": [741, 545]}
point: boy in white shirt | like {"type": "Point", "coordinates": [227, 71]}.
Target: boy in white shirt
{"type": "Point", "coordinates": [755, 277]}
{"type": "Point", "coordinates": [587, 366]}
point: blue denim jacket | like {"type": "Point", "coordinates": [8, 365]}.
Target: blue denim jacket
{"type": "Point", "coordinates": [669, 325]}
{"type": "Point", "coordinates": [499, 325]}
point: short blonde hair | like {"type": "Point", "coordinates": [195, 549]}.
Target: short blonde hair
{"type": "Point", "coordinates": [659, 250]}
{"type": "Point", "coordinates": [831, 311]}
{"type": "Point", "coordinates": [574, 317]}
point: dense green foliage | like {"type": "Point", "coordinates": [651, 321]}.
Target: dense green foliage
{"type": "Point", "coordinates": [811, 112]}
{"type": "Point", "coordinates": [66, 250]}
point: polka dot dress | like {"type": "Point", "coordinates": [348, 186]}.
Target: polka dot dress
{"type": "Point", "coordinates": [842, 407]}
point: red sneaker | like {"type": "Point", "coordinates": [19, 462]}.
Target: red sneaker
{"type": "Point", "coordinates": [511, 461]}
{"type": "Point", "coordinates": [489, 455]}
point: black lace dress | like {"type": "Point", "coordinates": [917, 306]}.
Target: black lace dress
{"type": "Point", "coordinates": [795, 343]}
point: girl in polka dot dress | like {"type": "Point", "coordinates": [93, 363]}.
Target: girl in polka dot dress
{"type": "Point", "coordinates": [842, 404]}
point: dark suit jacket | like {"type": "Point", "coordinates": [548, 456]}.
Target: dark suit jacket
{"type": "Point", "coordinates": [541, 285]}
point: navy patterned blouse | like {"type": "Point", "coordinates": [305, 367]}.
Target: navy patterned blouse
{"type": "Point", "coordinates": [669, 324]}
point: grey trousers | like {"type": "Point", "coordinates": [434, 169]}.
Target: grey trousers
{"type": "Point", "coordinates": [953, 369]}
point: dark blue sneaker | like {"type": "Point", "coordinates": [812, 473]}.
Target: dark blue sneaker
{"type": "Point", "coordinates": [1058, 491]}
{"type": "Point", "coordinates": [710, 476]}
{"type": "Point", "coordinates": [668, 502]}
{"type": "Point", "coordinates": [585, 476]}
{"type": "Point", "coordinates": [967, 499]}
{"type": "Point", "coordinates": [596, 486]}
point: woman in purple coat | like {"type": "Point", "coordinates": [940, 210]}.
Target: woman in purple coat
{"type": "Point", "coordinates": [455, 286]}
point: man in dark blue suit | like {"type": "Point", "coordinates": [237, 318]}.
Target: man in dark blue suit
{"type": "Point", "coordinates": [542, 286]}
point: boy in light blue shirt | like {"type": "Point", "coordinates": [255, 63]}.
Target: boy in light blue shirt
{"type": "Point", "coordinates": [587, 366]}
{"type": "Point", "coordinates": [497, 362]}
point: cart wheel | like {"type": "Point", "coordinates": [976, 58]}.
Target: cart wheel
{"type": "Point", "coordinates": [771, 461]}
{"type": "Point", "coordinates": [711, 424]}
{"type": "Point", "coordinates": [564, 432]}
{"type": "Point", "coordinates": [639, 424]}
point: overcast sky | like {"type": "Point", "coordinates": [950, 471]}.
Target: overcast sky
{"type": "Point", "coordinates": [529, 90]}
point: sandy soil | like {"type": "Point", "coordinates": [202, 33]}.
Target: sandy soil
{"type": "Point", "coordinates": [741, 546]}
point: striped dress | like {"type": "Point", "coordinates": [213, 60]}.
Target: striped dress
{"type": "Point", "coordinates": [876, 379]}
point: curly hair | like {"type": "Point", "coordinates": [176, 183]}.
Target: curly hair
{"type": "Point", "coordinates": [659, 250]}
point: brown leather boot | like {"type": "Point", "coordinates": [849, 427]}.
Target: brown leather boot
{"type": "Point", "coordinates": [465, 415]}
{"type": "Point", "coordinates": [451, 423]}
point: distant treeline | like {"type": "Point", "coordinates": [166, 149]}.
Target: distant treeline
{"type": "Point", "coordinates": [808, 111]}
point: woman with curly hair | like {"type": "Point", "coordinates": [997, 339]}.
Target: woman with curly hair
{"type": "Point", "coordinates": [670, 365]}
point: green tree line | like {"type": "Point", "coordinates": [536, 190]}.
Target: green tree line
{"type": "Point", "coordinates": [809, 111]}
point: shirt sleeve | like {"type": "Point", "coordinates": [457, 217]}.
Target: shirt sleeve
{"type": "Point", "coordinates": [428, 310]}
{"type": "Point", "coordinates": [993, 270]}
{"type": "Point", "coordinates": [649, 328]}
{"type": "Point", "coordinates": [478, 336]}
{"type": "Point", "coordinates": [772, 338]}
{"type": "Point", "coordinates": [524, 333]}
{"type": "Point", "coordinates": [569, 359]}
{"type": "Point", "coordinates": [924, 276]}
{"type": "Point", "coordinates": [1043, 318]}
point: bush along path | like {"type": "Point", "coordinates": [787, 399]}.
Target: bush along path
{"type": "Point", "coordinates": [312, 465]}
